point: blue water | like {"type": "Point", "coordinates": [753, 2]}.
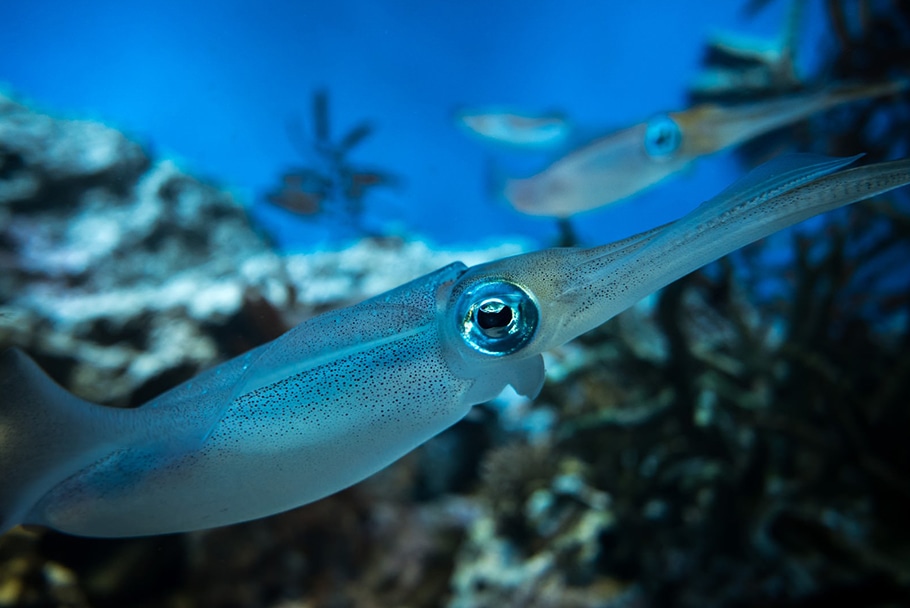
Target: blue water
{"type": "Point", "coordinates": [215, 84]}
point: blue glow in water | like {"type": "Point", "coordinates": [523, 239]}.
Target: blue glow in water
{"type": "Point", "coordinates": [216, 83]}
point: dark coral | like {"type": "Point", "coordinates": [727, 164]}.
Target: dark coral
{"type": "Point", "coordinates": [330, 187]}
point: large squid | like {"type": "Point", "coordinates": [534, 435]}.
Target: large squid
{"type": "Point", "coordinates": [347, 393]}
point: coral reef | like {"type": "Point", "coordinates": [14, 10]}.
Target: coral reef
{"type": "Point", "coordinates": [122, 276]}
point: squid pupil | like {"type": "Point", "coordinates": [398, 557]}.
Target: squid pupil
{"type": "Point", "coordinates": [493, 314]}
{"type": "Point", "coordinates": [662, 138]}
{"type": "Point", "coordinates": [496, 318]}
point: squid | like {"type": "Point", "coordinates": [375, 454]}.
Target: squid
{"type": "Point", "coordinates": [626, 162]}
{"type": "Point", "coordinates": [345, 394]}
{"type": "Point", "coordinates": [515, 129]}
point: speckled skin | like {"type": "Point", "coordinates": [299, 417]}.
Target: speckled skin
{"type": "Point", "coordinates": [345, 394]}
{"type": "Point", "coordinates": [342, 409]}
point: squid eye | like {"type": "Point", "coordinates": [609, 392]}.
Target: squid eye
{"type": "Point", "coordinates": [497, 317]}
{"type": "Point", "coordinates": [662, 137]}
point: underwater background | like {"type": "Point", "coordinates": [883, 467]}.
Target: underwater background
{"type": "Point", "coordinates": [219, 85]}
{"type": "Point", "coordinates": [181, 182]}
